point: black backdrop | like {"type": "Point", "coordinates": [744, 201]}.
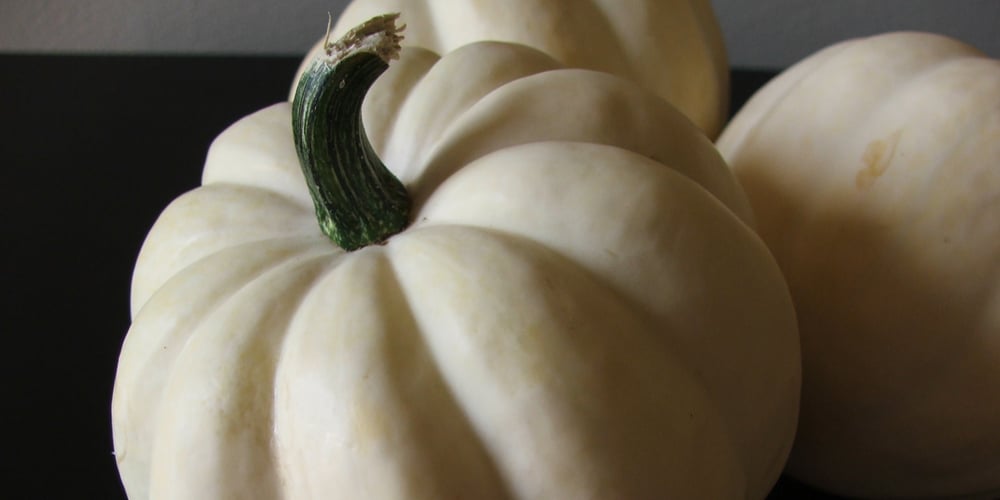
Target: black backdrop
{"type": "Point", "coordinates": [92, 148]}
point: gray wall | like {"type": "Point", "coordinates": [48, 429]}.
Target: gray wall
{"type": "Point", "coordinates": [762, 33]}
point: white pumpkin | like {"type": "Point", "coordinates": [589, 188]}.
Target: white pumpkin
{"type": "Point", "coordinates": [673, 48]}
{"type": "Point", "coordinates": [873, 168]}
{"type": "Point", "coordinates": [576, 309]}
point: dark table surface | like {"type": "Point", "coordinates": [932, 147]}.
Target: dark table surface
{"type": "Point", "coordinates": [93, 147]}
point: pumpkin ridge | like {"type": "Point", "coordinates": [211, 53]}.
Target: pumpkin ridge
{"type": "Point", "coordinates": [458, 407]}
{"type": "Point", "coordinates": [390, 120]}
{"type": "Point", "coordinates": [945, 158]}
{"type": "Point", "coordinates": [189, 230]}
{"type": "Point", "coordinates": [128, 387]}
{"type": "Point", "coordinates": [508, 64]}
{"type": "Point", "coordinates": [774, 103]}
{"type": "Point", "coordinates": [256, 151]}
{"type": "Point", "coordinates": [694, 156]}
{"type": "Point", "coordinates": [218, 297]}
{"type": "Point", "coordinates": [917, 78]}
{"type": "Point", "coordinates": [248, 411]}
{"type": "Point", "coordinates": [544, 265]}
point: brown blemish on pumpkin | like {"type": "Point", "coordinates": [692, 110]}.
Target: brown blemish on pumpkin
{"type": "Point", "coordinates": [876, 160]}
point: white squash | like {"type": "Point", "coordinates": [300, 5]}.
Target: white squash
{"type": "Point", "coordinates": [873, 168]}
{"type": "Point", "coordinates": [673, 48]}
{"type": "Point", "coordinates": [576, 309]}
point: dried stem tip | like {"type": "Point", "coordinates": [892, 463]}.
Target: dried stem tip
{"type": "Point", "coordinates": [379, 36]}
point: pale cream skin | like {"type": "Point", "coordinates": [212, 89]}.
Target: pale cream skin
{"type": "Point", "coordinates": [873, 168]}
{"type": "Point", "coordinates": [580, 308]}
{"type": "Point", "coordinates": [673, 48]}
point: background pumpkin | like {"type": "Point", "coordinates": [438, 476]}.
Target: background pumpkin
{"type": "Point", "coordinates": [673, 48]}
{"type": "Point", "coordinates": [577, 310]}
{"type": "Point", "coordinates": [872, 168]}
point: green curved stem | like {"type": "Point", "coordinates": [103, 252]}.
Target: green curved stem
{"type": "Point", "coordinates": [358, 201]}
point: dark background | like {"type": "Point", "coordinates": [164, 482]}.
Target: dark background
{"type": "Point", "coordinates": [92, 149]}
